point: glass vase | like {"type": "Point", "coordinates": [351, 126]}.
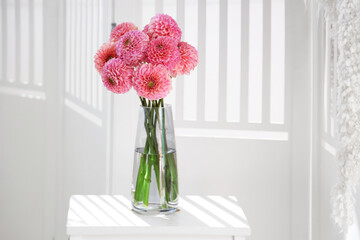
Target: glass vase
{"type": "Point", "coordinates": [155, 177]}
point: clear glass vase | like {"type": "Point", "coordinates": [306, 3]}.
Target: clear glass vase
{"type": "Point", "coordinates": [155, 177]}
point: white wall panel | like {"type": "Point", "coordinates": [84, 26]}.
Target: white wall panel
{"type": "Point", "coordinates": [11, 41]}
{"type": "Point", "coordinates": [255, 60]}
{"type": "Point", "coordinates": [89, 53]}
{"type": "Point", "coordinates": [170, 9]}
{"type": "Point", "coordinates": [38, 42]}
{"type": "Point", "coordinates": [233, 61]}
{"type": "Point", "coordinates": [24, 41]}
{"type": "Point", "coordinates": [277, 71]}
{"type": "Point", "coordinates": [84, 36]}
{"type": "Point", "coordinates": [72, 45]}
{"type": "Point", "coordinates": [212, 60]}
{"type": "Point", "coordinates": [190, 35]}
{"type": "Point", "coordinates": [95, 44]}
{"type": "Point", "coordinates": [101, 39]}
{"type": "Point", "coordinates": [179, 95]}
{"type": "Point", "coordinates": [85, 165]}
{"type": "Point", "coordinates": [78, 57]}
{"type": "Point", "coordinates": [22, 164]}
{"type": "Point", "coordinates": [148, 11]}
{"type": "Point", "coordinates": [2, 10]}
{"type": "Point", "coordinates": [83, 40]}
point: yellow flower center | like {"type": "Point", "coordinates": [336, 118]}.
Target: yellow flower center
{"type": "Point", "coordinates": [111, 81]}
{"type": "Point", "coordinates": [151, 84]}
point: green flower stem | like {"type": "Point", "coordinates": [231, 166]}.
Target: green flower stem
{"type": "Point", "coordinates": [147, 181]}
{"type": "Point", "coordinates": [153, 158]}
{"type": "Point", "coordinates": [173, 176]}
{"type": "Point", "coordinates": [144, 174]}
{"type": "Point", "coordinates": [170, 162]}
{"type": "Point", "coordinates": [147, 175]}
{"type": "Point", "coordinates": [156, 152]}
{"type": "Point", "coordinates": [141, 173]}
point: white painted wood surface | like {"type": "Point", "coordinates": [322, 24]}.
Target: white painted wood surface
{"type": "Point", "coordinates": [199, 217]}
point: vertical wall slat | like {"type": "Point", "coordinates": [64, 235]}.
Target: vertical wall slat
{"type": "Point", "coordinates": [31, 42]}
{"type": "Point", "coordinates": [170, 9]}
{"type": "Point", "coordinates": [24, 38]}
{"type": "Point", "coordinates": [10, 43]}
{"type": "Point", "coordinates": [77, 64]}
{"type": "Point", "coordinates": [24, 41]}
{"type": "Point", "coordinates": [100, 41]}
{"type": "Point", "coordinates": [180, 80]}
{"type": "Point", "coordinates": [94, 39]}
{"type": "Point", "coordinates": [89, 56]}
{"type": "Point", "coordinates": [233, 63]}
{"type": "Point", "coordinates": [326, 80]}
{"type": "Point", "coordinates": [277, 88]}
{"type": "Point", "coordinates": [148, 11]}
{"type": "Point", "coordinates": [17, 43]}
{"type": "Point", "coordinates": [331, 88]}
{"type": "Point", "coordinates": [244, 61]}
{"type": "Point", "coordinates": [190, 36]}
{"type": "Point", "coordinates": [83, 44]}
{"type": "Point", "coordinates": [67, 45]}
{"type": "Point", "coordinates": [1, 40]}
{"type": "Point", "coordinates": [38, 42]}
{"type": "Point", "coordinates": [72, 66]}
{"type": "Point", "coordinates": [159, 6]}
{"type": "Point", "coordinates": [202, 56]}
{"type": "Point", "coordinates": [334, 86]}
{"type": "Point", "coordinates": [223, 60]}
{"type": "Point", "coordinates": [255, 60]}
{"type": "Point", "coordinates": [78, 50]}
{"type": "Point", "coordinates": [266, 61]}
{"type": "Point", "coordinates": [212, 60]}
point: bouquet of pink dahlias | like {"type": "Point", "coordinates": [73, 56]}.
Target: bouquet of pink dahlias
{"type": "Point", "coordinates": [148, 60]}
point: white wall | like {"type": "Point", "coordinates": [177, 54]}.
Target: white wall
{"type": "Point", "coordinates": [28, 123]}
{"type": "Point", "coordinates": [22, 163]}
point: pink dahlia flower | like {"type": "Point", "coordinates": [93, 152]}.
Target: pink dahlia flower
{"type": "Point", "coordinates": [146, 30]}
{"type": "Point", "coordinates": [120, 30]}
{"type": "Point", "coordinates": [163, 25]}
{"type": "Point", "coordinates": [163, 50]}
{"type": "Point", "coordinates": [188, 59]}
{"type": "Point", "coordinates": [106, 52]}
{"type": "Point", "coordinates": [152, 81]}
{"type": "Point", "coordinates": [117, 76]}
{"type": "Point", "coordinates": [131, 47]}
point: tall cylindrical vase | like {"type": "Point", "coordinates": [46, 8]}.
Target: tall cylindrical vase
{"type": "Point", "coordinates": [155, 177]}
